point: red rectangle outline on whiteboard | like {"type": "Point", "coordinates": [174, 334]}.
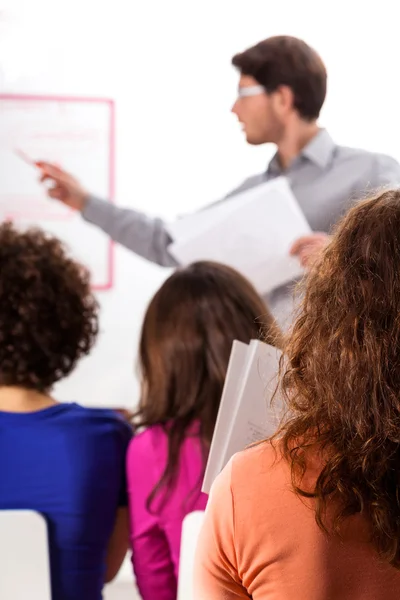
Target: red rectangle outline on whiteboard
{"type": "Point", "coordinates": [109, 283]}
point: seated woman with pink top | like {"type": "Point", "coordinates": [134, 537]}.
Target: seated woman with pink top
{"type": "Point", "coordinates": [185, 345]}
{"type": "Point", "coordinates": [314, 514]}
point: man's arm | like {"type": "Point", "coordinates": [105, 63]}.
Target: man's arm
{"type": "Point", "coordinates": [145, 236]}
{"type": "Point", "coordinates": [386, 172]}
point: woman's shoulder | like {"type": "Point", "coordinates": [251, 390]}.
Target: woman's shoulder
{"type": "Point", "coordinates": [151, 440]}
{"type": "Point", "coordinates": [250, 467]}
{"type": "Point", "coordinates": [154, 440]}
{"type": "Point", "coordinates": [96, 414]}
{"type": "Point", "coordinates": [147, 453]}
{"type": "Point", "coordinates": [99, 421]}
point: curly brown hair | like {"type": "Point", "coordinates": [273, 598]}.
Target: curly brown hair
{"type": "Point", "coordinates": [341, 380]}
{"type": "Point", "coordinates": [48, 315]}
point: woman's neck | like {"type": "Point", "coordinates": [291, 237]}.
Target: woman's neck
{"type": "Point", "coordinates": [22, 400]}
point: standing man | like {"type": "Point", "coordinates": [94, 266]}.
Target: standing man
{"type": "Point", "coordinates": [282, 88]}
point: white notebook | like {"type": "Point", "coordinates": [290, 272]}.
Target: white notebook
{"type": "Point", "coordinates": [251, 232]}
{"type": "Point", "coordinates": [245, 414]}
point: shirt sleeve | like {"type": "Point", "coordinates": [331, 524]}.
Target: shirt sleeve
{"type": "Point", "coordinates": [146, 236]}
{"type": "Point", "coordinates": [216, 572]}
{"type": "Point", "coordinates": [387, 172]}
{"type": "Point", "coordinates": [151, 556]}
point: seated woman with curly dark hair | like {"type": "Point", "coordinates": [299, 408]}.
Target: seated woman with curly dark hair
{"type": "Point", "coordinates": [314, 514]}
{"type": "Point", "coordinates": [62, 460]}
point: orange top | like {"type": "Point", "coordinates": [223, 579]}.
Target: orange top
{"type": "Point", "coordinates": [261, 541]}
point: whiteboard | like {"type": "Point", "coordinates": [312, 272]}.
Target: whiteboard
{"type": "Point", "coordinates": [78, 135]}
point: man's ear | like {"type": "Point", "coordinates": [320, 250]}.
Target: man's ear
{"type": "Point", "coordinates": [283, 99]}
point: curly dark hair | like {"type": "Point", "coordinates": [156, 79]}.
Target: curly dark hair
{"type": "Point", "coordinates": [48, 315]}
{"type": "Point", "coordinates": [341, 380]}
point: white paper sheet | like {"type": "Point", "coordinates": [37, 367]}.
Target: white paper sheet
{"type": "Point", "coordinates": [223, 425]}
{"type": "Point", "coordinates": [252, 235]}
{"type": "Point", "coordinates": [191, 225]}
{"type": "Point", "coordinates": [255, 419]}
{"type": "Point", "coordinates": [245, 414]}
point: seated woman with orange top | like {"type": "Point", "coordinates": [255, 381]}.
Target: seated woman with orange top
{"type": "Point", "coordinates": [185, 346]}
{"type": "Point", "coordinates": [314, 513]}
{"type": "Point", "coordinates": [64, 461]}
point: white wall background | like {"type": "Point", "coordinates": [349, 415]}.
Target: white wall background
{"type": "Point", "coordinates": [167, 65]}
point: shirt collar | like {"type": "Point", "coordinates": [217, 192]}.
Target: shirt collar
{"type": "Point", "coordinates": [319, 151]}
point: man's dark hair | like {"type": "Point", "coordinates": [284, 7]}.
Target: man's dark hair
{"type": "Point", "coordinates": [284, 60]}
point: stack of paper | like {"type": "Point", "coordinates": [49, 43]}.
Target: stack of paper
{"type": "Point", "coordinates": [251, 232]}
{"type": "Point", "coordinates": [245, 414]}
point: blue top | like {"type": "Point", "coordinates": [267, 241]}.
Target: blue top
{"type": "Point", "coordinates": [68, 463]}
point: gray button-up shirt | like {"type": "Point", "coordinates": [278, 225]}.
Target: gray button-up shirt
{"type": "Point", "coordinates": [326, 180]}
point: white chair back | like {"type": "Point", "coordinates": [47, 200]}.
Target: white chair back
{"type": "Point", "coordinates": [190, 532]}
{"type": "Point", "coordinates": [24, 556]}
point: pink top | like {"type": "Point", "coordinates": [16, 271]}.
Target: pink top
{"type": "Point", "coordinates": [156, 536]}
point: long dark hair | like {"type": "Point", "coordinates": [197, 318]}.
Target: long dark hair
{"type": "Point", "coordinates": [184, 350]}
{"type": "Point", "coordinates": [342, 379]}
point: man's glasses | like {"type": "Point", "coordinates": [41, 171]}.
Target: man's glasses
{"type": "Point", "coordinates": [252, 90]}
